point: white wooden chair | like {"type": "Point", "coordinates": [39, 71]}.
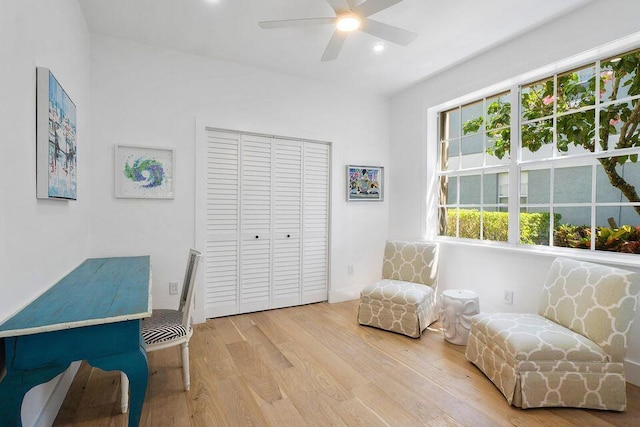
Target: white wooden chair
{"type": "Point", "coordinates": [166, 328]}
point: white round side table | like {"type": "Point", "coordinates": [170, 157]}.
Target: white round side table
{"type": "Point", "coordinates": [457, 307]}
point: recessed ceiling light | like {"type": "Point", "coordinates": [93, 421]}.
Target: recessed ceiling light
{"type": "Point", "coordinates": [348, 23]}
{"type": "Point", "coordinates": [378, 47]}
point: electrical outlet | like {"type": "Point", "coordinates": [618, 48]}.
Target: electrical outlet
{"type": "Point", "coordinates": [173, 288]}
{"type": "Point", "coordinates": [508, 297]}
{"type": "Point", "coordinates": [349, 270]}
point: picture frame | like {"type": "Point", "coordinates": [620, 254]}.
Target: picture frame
{"type": "Point", "coordinates": [144, 172]}
{"type": "Point", "coordinates": [365, 183]}
{"type": "Point", "coordinates": [56, 140]}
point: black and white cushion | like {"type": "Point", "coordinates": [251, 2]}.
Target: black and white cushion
{"type": "Point", "coordinates": [163, 325]}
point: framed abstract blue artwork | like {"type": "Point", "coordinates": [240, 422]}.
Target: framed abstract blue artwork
{"type": "Point", "coordinates": [56, 140]}
{"type": "Point", "coordinates": [144, 172]}
{"type": "Point", "coordinates": [365, 183]}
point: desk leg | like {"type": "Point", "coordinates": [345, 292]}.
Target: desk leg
{"type": "Point", "coordinates": [15, 385]}
{"type": "Point", "coordinates": [135, 366]}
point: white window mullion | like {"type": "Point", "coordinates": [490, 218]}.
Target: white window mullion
{"type": "Point", "coordinates": [481, 210]}
{"type": "Point", "coordinates": [596, 123]}
{"type": "Point", "coordinates": [485, 120]}
{"type": "Point", "coordinates": [593, 205]}
{"type": "Point", "coordinates": [554, 120]}
{"type": "Point", "coordinates": [457, 206]}
{"type": "Point", "coordinates": [514, 168]}
{"type": "Point", "coordinates": [552, 222]}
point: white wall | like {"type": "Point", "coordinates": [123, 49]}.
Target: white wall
{"type": "Point", "coordinates": [489, 271]}
{"type": "Point", "coordinates": [40, 240]}
{"type": "Point", "coordinates": [145, 95]}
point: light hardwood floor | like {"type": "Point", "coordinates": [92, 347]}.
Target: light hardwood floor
{"type": "Point", "coordinates": [314, 365]}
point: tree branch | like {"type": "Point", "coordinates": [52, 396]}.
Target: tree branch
{"type": "Point", "coordinates": [604, 135]}
{"type": "Point", "coordinates": [616, 87]}
{"type": "Point", "coordinates": [628, 190]}
{"type": "Point", "coordinates": [630, 126]}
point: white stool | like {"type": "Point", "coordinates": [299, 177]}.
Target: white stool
{"type": "Point", "coordinates": [457, 307]}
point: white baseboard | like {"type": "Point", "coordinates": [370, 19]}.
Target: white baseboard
{"type": "Point", "coordinates": [632, 372]}
{"type": "Point", "coordinates": [344, 295]}
{"type": "Point", "coordinates": [52, 406]}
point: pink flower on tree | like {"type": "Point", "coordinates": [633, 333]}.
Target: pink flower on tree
{"type": "Point", "coordinates": [615, 121]}
{"type": "Point", "coordinates": [607, 75]}
{"type": "Point", "coordinates": [547, 99]}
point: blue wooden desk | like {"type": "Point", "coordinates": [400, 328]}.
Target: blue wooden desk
{"type": "Point", "coordinates": [94, 314]}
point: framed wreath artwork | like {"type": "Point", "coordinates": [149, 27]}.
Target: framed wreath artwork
{"type": "Point", "coordinates": [144, 172]}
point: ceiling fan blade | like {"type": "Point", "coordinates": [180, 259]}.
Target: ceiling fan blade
{"type": "Point", "coordinates": [370, 7]}
{"type": "Point", "coordinates": [334, 46]}
{"type": "Point", "coordinates": [288, 23]}
{"type": "Point", "coordinates": [388, 32]}
{"type": "Point", "coordinates": [339, 6]}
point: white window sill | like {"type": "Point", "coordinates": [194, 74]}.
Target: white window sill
{"type": "Point", "coordinates": [602, 257]}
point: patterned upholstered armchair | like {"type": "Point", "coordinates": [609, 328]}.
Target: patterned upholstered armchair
{"type": "Point", "coordinates": [404, 301]}
{"type": "Point", "coordinates": [572, 353]}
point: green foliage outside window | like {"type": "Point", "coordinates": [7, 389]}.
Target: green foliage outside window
{"type": "Point", "coordinates": [534, 230]}
{"type": "Point", "coordinates": [534, 227]}
{"type": "Point", "coordinates": [624, 239]}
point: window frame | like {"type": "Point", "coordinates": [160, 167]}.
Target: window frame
{"type": "Point", "coordinates": [481, 171]}
{"type": "Point", "coordinates": [431, 223]}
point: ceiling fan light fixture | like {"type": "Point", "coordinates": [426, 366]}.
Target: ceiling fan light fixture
{"type": "Point", "coordinates": [348, 22]}
{"type": "Point", "coordinates": [350, 15]}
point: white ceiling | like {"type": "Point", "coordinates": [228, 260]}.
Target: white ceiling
{"type": "Point", "coordinates": [449, 31]}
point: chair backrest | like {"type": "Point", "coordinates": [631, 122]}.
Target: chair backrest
{"type": "Point", "coordinates": [186, 298]}
{"type": "Point", "coordinates": [593, 300]}
{"type": "Point", "coordinates": [415, 262]}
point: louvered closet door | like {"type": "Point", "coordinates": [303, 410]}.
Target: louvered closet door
{"type": "Point", "coordinates": [222, 224]}
{"type": "Point", "coordinates": [287, 223]}
{"type": "Point", "coordinates": [255, 202]}
{"type": "Point", "coordinates": [315, 222]}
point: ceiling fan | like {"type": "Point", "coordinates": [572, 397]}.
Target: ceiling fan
{"type": "Point", "coordinates": [351, 15]}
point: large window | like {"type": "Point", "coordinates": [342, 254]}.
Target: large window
{"type": "Point", "coordinates": [576, 139]}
